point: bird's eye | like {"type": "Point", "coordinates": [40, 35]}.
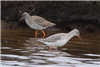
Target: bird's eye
{"type": "Point", "coordinates": [77, 32]}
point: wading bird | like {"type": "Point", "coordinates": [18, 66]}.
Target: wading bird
{"type": "Point", "coordinates": [36, 22]}
{"type": "Point", "coordinates": [59, 39]}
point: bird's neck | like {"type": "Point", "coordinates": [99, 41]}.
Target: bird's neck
{"type": "Point", "coordinates": [69, 36]}
{"type": "Point", "coordinates": [27, 18]}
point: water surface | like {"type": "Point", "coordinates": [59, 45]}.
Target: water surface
{"type": "Point", "coordinates": [20, 48]}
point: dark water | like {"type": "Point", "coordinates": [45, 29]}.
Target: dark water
{"type": "Point", "coordinates": [19, 48]}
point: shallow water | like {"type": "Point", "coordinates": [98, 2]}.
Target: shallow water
{"type": "Point", "coordinates": [19, 48]}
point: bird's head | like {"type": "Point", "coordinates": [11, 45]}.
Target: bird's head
{"type": "Point", "coordinates": [77, 33]}
{"type": "Point", "coordinates": [25, 15]}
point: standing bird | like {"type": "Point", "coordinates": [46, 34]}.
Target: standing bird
{"type": "Point", "coordinates": [36, 22]}
{"type": "Point", "coordinates": [59, 39]}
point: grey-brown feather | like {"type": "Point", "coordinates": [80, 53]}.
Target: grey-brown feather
{"type": "Point", "coordinates": [41, 21]}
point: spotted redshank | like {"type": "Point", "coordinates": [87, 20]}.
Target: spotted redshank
{"type": "Point", "coordinates": [59, 39]}
{"type": "Point", "coordinates": [36, 22]}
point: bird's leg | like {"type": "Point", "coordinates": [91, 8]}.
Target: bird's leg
{"type": "Point", "coordinates": [50, 48]}
{"type": "Point", "coordinates": [43, 33]}
{"type": "Point", "coordinates": [36, 33]}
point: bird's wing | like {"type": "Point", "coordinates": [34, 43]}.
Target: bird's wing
{"type": "Point", "coordinates": [53, 38]}
{"type": "Point", "coordinates": [42, 22]}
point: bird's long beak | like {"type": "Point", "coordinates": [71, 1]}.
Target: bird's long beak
{"type": "Point", "coordinates": [20, 19]}
{"type": "Point", "coordinates": [81, 38]}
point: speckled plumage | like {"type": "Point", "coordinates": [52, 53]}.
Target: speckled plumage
{"type": "Point", "coordinates": [59, 39]}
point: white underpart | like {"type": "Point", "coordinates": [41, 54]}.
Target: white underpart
{"type": "Point", "coordinates": [58, 43]}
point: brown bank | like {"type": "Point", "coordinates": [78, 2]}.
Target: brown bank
{"type": "Point", "coordinates": [67, 15]}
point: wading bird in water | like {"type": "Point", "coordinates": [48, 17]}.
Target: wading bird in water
{"type": "Point", "coordinates": [36, 22]}
{"type": "Point", "coordinates": [59, 39]}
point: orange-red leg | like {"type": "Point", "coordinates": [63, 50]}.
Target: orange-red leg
{"type": "Point", "coordinates": [43, 33]}
{"type": "Point", "coordinates": [36, 33]}
{"type": "Point", "coordinates": [50, 47]}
